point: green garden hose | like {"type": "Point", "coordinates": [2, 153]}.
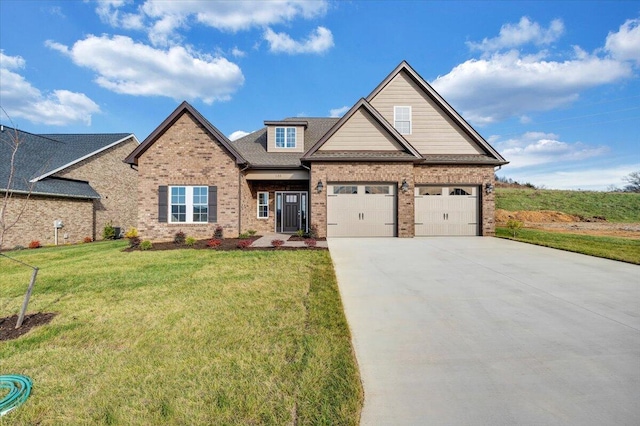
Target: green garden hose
{"type": "Point", "coordinates": [19, 389]}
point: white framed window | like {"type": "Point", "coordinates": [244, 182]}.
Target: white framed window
{"type": "Point", "coordinates": [263, 205]}
{"type": "Point", "coordinates": [285, 137]}
{"type": "Point", "coordinates": [402, 119]}
{"type": "Point", "coordinates": [188, 204]}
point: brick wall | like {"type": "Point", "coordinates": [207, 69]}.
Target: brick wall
{"type": "Point", "coordinates": [36, 223]}
{"type": "Point", "coordinates": [187, 155]}
{"type": "Point", "coordinates": [250, 191]}
{"type": "Point", "coordinates": [115, 181]}
{"type": "Point", "coordinates": [362, 172]}
{"type": "Point", "coordinates": [474, 175]}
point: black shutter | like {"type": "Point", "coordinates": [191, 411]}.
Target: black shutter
{"type": "Point", "coordinates": [213, 204]}
{"type": "Point", "coordinates": [162, 204]}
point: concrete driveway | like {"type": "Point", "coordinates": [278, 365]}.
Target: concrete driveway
{"type": "Point", "coordinates": [483, 331]}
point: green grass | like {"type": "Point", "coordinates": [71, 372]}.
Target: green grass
{"type": "Point", "coordinates": [623, 249]}
{"type": "Point", "coordinates": [615, 207]}
{"type": "Point", "coordinates": [181, 337]}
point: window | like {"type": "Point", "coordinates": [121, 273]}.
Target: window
{"type": "Point", "coordinates": [458, 191]}
{"type": "Point", "coordinates": [376, 189]}
{"type": "Point", "coordinates": [285, 137]}
{"type": "Point", "coordinates": [341, 189]}
{"type": "Point", "coordinates": [430, 190]}
{"type": "Point", "coordinates": [402, 119]}
{"type": "Point", "coordinates": [263, 205]}
{"type": "Point", "coordinates": [189, 204]}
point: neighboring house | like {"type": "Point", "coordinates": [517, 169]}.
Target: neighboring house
{"type": "Point", "coordinates": [401, 162]}
{"type": "Point", "coordinates": [79, 179]}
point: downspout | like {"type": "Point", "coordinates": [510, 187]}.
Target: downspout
{"type": "Point", "coordinates": [240, 197]}
{"type": "Point", "coordinates": [309, 203]}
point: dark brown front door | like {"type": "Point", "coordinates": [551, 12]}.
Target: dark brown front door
{"type": "Point", "coordinates": [291, 219]}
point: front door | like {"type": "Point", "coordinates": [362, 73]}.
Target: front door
{"type": "Point", "coordinates": [291, 212]}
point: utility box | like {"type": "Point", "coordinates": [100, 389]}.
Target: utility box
{"type": "Point", "coordinates": [58, 224]}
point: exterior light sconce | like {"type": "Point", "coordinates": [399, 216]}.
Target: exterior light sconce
{"type": "Point", "coordinates": [488, 188]}
{"type": "Point", "coordinates": [319, 186]}
{"type": "Point", "coordinates": [405, 186]}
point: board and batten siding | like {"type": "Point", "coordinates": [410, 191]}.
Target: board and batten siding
{"type": "Point", "coordinates": [432, 131]}
{"type": "Point", "coordinates": [271, 140]}
{"type": "Point", "coordinates": [361, 132]}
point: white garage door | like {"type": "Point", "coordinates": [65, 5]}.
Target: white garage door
{"type": "Point", "coordinates": [446, 210]}
{"type": "Point", "coordinates": [361, 210]}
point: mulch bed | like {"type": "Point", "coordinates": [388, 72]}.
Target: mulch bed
{"type": "Point", "coordinates": [8, 330]}
{"type": "Point", "coordinates": [296, 238]}
{"type": "Point", "coordinates": [227, 244]}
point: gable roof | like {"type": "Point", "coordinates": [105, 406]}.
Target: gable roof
{"type": "Point", "coordinates": [444, 105]}
{"type": "Point", "coordinates": [253, 146]}
{"type": "Point", "coordinates": [409, 153]}
{"type": "Point", "coordinates": [41, 156]}
{"type": "Point", "coordinates": [183, 108]}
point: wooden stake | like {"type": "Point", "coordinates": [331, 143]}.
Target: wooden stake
{"type": "Point", "coordinates": [26, 298]}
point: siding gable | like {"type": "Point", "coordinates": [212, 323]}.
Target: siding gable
{"type": "Point", "coordinates": [433, 131]}
{"type": "Point", "coordinates": [361, 132]}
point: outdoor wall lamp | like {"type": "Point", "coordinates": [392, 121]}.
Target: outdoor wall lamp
{"type": "Point", "coordinates": [405, 186]}
{"type": "Point", "coordinates": [319, 186]}
{"type": "Point", "coordinates": [488, 188]}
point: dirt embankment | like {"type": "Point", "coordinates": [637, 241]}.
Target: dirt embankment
{"type": "Point", "coordinates": [549, 220]}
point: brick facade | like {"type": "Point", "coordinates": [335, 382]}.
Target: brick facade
{"type": "Point", "coordinates": [115, 181]}
{"type": "Point", "coordinates": [186, 154]}
{"type": "Point", "coordinates": [36, 222]}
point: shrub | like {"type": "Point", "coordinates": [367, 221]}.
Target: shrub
{"type": "Point", "coordinates": [18, 247]}
{"type": "Point", "coordinates": [34, 244]}
{"type": "Point", "coordinates": [109, 232]}
{"type": "Point", "coordinates": [251, 232]}
{"type": "Point", "coordinates": [131, 233]}
{"type": "Point", "coordinates": [179, 237]}
{"type": "Point", "coordinates": [312, 232]}
{"type": "Point", "coordinates": [243, 244]}
{"type": "Point", "coordinates": [300, 233]}
{"type": "Point", "coordinates": [243, 236]}
{"type": "Point", "coordinates": [190, 241]}
{"type": "Point", "coordinates": [214, 243]}
{"type": "Point", "coordinates": [514, 226]}
{"type": "Point", "coordinates": [146, 245]}
{"type": "Point", "coordinates": [277, 243]}
{"type": "Point", "coordinates": [217, 234]}
{"type": "Point", "coordinates": [310, 242]}
{"type": "Point", "coordinates": [88, 239]}
{"type": "Point", "coordinates": [134, 242]}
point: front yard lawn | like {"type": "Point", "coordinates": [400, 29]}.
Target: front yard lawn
{"type": "Point", "coordinates": [624, 249]}
{"type": "Point", "coordinates": [181, 337]}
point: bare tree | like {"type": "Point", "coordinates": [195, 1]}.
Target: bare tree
{"type": "Point", "coordinates": [633, 182]}
{"type": "Point", "coordinates": [11, 138]}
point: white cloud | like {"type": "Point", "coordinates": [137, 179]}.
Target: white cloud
{"type": "Point", "coordinates": [590, 178]}
{"type": "Point", "coordinates": [524, 32]}
{"type": "Point", "coordinates": [509, 84]}
{"type": "Point", "coordinates": [238, 53]}
{"type": "Point", "coordinates": [319, 41]}
{"type": "Point", "coordinates": [537, 148]}
{"type": "Point", "coordinates": [164, 18]}
{"type": "Point", "coordinates": [238, 134]}
{"type": "Point", "coordinates": [338, 112]}
{"type": "Point", "coordinates": [21, 100]}
{"type": "Point", "coordinates": [124, 66]}
{"type": "Point", "coordinates": [625, 44]}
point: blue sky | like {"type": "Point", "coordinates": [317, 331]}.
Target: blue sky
{"type": "Point", "coordinates": [554, 86]}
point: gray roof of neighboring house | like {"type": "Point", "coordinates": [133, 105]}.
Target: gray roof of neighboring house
{"type": "Point", "coordinates": [39, 156]}
{"type": "Point", "coordinates": [253, 147]}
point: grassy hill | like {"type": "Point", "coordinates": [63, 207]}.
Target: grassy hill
{"type": "Point", "coordinates": [615, 207]}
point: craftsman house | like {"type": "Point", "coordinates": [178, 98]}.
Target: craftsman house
{"type": "Point", "coordinates": [401, 162]}
{"type": "Point", "coordinates": [75, 180]}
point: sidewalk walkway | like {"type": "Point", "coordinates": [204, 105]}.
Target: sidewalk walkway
{"type": "Point", "coordinates": [265, 241]}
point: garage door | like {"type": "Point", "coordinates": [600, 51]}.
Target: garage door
{"type": "Point", "coordinates": [361, 210]}
{"type": "Point", "coordinates": [446, 210]}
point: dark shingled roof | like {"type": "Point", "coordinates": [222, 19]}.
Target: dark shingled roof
{"type": "Point", "coordinates": [40, 155]}
{"type": "Point", "coordinates": [253, 147]}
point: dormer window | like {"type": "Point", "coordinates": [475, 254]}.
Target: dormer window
{"type": "Point", "coordinates": [285, 137]}
{"type": "Point", "coordinates": [402, 119]}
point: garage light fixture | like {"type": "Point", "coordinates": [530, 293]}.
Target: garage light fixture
{"type": "Point", "coordinates": [488, 188]}
{"type": "Point", "coordinates": [405, 186]}
{"type": "Point", "coordinates": [319, 186]}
